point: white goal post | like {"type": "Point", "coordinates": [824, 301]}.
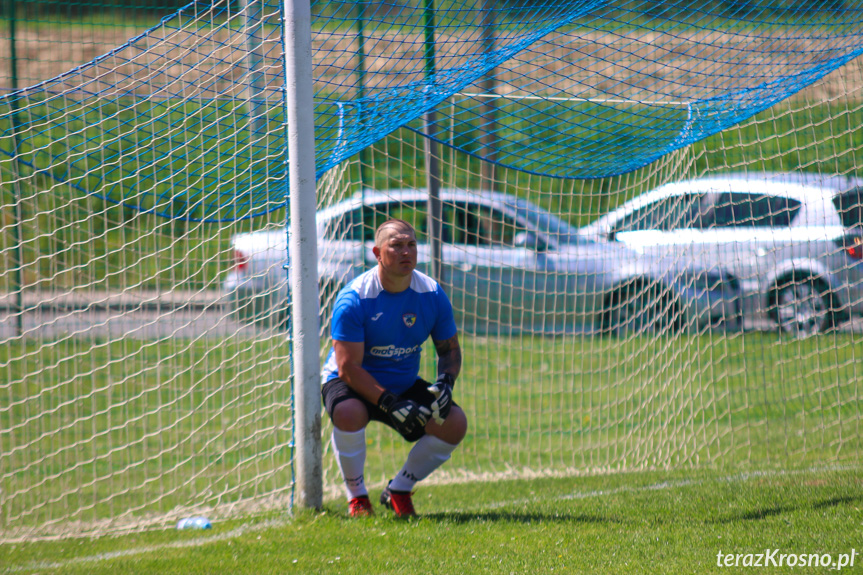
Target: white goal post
{"type": "Point", "coordinates": [303, 254]}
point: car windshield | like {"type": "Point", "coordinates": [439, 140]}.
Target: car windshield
{"type": "Point", "coordinates": [461, 218]}
{"type": "Point", "coordinates": [548, 224]}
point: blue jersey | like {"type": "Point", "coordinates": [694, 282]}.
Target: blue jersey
{"type": "Point", "coordinates": [392, 326]}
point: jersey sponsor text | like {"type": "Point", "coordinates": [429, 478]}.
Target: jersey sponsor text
{"type": "Point", "coordinates": [393, 351]}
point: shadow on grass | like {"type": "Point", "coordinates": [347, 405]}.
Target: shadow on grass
{"type": "Point", "coordinates": [834, 501]}
{"type": "Point", "coordinates": [767, 512]}
{"type": "Point", "coordinates": [516, 517]}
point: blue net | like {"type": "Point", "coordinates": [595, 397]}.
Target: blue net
{"type": "Point", "coordinates": [187, 119]}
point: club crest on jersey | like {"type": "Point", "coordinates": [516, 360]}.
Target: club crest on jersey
{"type": "Point", "coordinates": [410, 319]}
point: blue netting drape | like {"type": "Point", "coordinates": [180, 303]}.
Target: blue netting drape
{"type": "Point", "coordinates": [187, 120]}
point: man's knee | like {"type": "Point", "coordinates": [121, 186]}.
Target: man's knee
{"type": "Point", "coordinates": [350, 415]}
{"type": "Point", "coordinates": [459, 423]}
{"type": "Point", "coordinates": [454, 428]}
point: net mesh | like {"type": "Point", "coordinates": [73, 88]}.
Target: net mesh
{"type": "Point", "coordinates": [145, 365]}
{"type": "Point", "coordinates": [185, 119]}
{"type": "Point", "coordinates": [546, 398]}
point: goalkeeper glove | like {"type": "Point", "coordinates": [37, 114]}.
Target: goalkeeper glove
{"type": "Point", "coordinates": [406, 416]}
{"type": "Point", "coordinates": [442, 390]}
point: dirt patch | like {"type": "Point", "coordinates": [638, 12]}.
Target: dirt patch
{"type": "Point", "coordinates": [626, 65]}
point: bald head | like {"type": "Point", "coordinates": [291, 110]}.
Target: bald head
{"type": "Point", "coordinates": [390, 228]}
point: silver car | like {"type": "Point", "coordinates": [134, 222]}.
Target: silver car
{"type": "Point", "coordinates": [508, 267]}
{"type": "Point", "coordinates": [793, 242]}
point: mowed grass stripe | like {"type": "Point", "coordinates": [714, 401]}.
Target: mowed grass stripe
{"type": "Point", "coordinates": [199, 416]}
{"type": "Point", "coordinates": [651, 522]}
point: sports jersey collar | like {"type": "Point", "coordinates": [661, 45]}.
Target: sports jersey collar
{"type": "Point", "coordinates": [368, 285]}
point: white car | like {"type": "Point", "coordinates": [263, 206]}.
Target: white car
{"type": "Point", "coordinates": [508, 267]}
{"type": "Point", "coordinates": [793, 242]}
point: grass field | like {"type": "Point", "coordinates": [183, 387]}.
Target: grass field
{"type": "Point", "coordinates": [646, 522]}
{"type": "Point", "coordinates": [647, 455]}
{"type": "Point", "coordinates": [128, 429]}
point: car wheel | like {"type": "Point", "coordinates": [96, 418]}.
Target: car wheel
{"type": "Point", "coordinates": [637, 308]}
{"type": "Point", "coordinates": [801, 307]}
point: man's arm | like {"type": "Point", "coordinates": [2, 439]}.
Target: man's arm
{"type": "Point", "coordinates": [349, 359]}
{"type": "Point", "coordinates": [449, 356]}
{"type": "Point", "coordinates": [406, 415]}
{"type": "Point", "coordinates": [448, 368]}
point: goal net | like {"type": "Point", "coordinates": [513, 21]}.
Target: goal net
{"type": "Point", "coordinates": [145, 357]}
{"type": "Point", "coordinates": [549, 394]}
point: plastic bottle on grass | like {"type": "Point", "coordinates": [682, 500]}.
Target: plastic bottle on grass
{"type": "Point", "coordinates": [194, 523]}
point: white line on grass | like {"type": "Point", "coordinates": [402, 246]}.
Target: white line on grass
{"type": "Point", "coordinates": [738, 477]}
{"type": "Point", "coordinates": [200, 541]}
{"type": "Point", "coordinates": [197, 542]}
{"type": "Point", "coordinates": [582, 495]}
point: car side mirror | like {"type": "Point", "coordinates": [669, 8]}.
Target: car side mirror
{"type": "Point", "coordinates": [530, 241]}
{"type": "Point", "coordinates": [612, 235]}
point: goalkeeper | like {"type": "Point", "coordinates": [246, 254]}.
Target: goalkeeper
{"type": "Point", "coordinates": [380, 321]}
